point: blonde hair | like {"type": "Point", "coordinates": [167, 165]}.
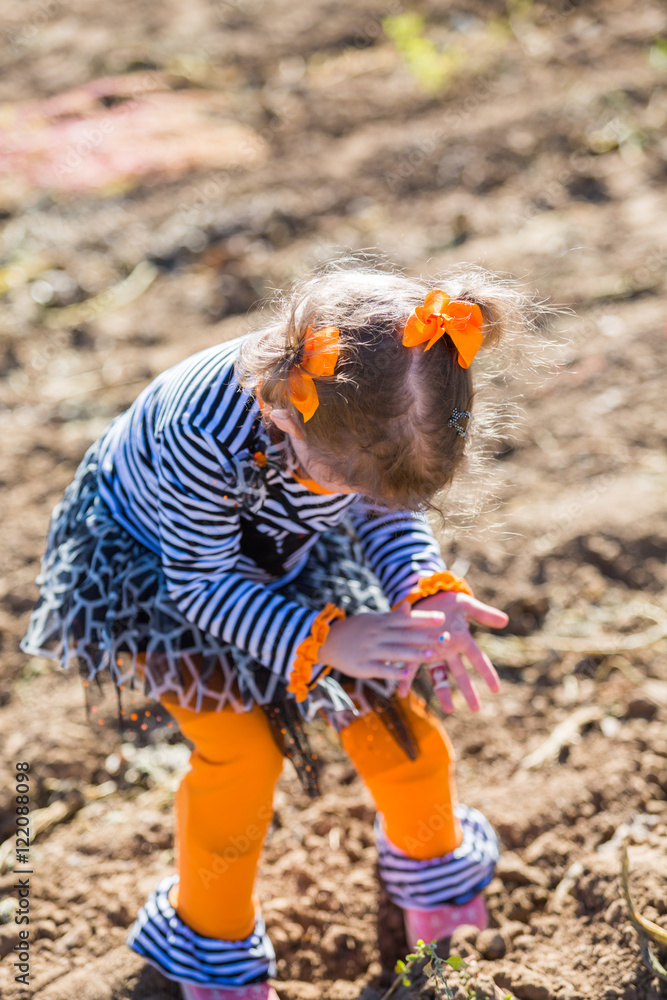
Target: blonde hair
{"type": "Point", "coordinates": [384, 421]}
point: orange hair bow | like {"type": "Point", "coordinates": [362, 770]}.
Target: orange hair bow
{"type": "Point", "coordinates": [461, 321]}
{"type": "Point", "coordinates": [320, 354]}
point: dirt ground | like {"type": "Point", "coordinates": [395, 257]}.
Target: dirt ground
{"type": "Point", "coordinates": [528, 139]}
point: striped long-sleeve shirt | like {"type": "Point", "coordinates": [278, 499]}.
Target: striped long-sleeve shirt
{"type": "Point", "coordinates": [180, 470]}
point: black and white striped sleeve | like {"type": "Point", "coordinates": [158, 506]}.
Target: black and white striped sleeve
{"type": "Point", "coordinates": [399, 546]}
{"type": "Point", "coordinates": [199, 523]}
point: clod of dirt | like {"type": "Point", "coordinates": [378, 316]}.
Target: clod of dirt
{"type": "Point", "coordinates": [337, 940]}
{"type": "Point", "coordinates": [491, 944]}
{"type": "Point", "coordinates": [46, 929]}
{"type": "Point", "coordinates": [526, 615]}
{"type": "Point", "coordinates": [641, 708]}
{"type": "Point", "coordinates": [511, 868]}
{"type": "Point", "coordinates": [430, 990]}
{"type": "Point", "coordinates": [512, 929]}
{"type": "Point", "coordinates": [525, 984]}
{"type": "Point", "coordinates": [115, 974]}
{"type": "Point", "coordinates": [463, 941]}
{"type": "Point", "coordinates": [524, 901]}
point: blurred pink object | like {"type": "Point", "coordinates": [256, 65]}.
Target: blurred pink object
{"type": "Point", "coordinates": [258, 991]}
{"type": "Point", "coordinates": [114, 131]}
{"type": "Point", "coordinates": [431, 925]}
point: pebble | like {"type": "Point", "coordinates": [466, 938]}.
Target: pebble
{"type": "Point", "coordinates": [46, 929]}
{"type": "Point", "coordinates": [491, 944]}
{"type": "Point", "coordinates": [8, 907]}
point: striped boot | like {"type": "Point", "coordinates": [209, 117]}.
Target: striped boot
{"type": "Point", "coordinates": [440, 894]}
{"type": "Point", "coordinates": [432, 925]}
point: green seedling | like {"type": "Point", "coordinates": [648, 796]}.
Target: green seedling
{"type": "Point", "coordinates": [431, 67]}
{"type": "Point", "coordinates": [437, 968]}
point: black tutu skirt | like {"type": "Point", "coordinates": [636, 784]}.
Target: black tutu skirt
{"type": "Point", "coordinates": [104, 607]}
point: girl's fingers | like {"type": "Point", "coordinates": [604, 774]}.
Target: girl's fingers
{"type": "Point", "coordinates": [377, 668]}
{"type": "Point", "coordinates": [444, 693]}
{"type": "Point", "coordinates": [395, 652]}
{"type": "Point", "coordinates": [429, 621]}
{"type": "Point", "coordinates": [415, 641]}
{"type": "Point", "coordinates": [484, 614]}
{"type": "Point", "coordinates": [483, 666]}
{"type": "Point", "coordinates": [406, 682]}
{"type": "Point", "coordinates": [465, 682]}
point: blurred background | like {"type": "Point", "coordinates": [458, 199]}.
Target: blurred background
{"type": "Point", "coordinates": [164, 167]}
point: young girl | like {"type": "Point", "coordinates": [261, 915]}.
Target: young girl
{"type": "Point", "coordinates": [250, 540]}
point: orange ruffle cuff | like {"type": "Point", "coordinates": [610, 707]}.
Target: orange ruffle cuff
{"type": "Point", "coordinates": [434, 584]}
{"type": "Point", "coordinates": [307, 653]}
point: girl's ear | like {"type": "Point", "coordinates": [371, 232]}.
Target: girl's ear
{"type": "Point", "coordinates": [284, 420]}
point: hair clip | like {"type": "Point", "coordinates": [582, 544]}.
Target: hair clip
{"type": "Point", "coordinates": [454, 422]}
{"type": "Point", "coordinates": [461, 321]}
{"type": "Point", "coordinates": [320, 354]}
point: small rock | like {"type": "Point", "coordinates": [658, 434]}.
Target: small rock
{"type": "Point", "coordinates": [119, 915]}
{"type": "Point", "coordinates": [8, 908]}
{"type": "Point", "coordinates": [520, 905]}
{"type": "Point", "coordinates": [641, 708]}
{"type": "Point", "coordinates": [46, 929]}
{"type": "Point", "coordinates": [491, 944]}
{"type": "Point", "coordinates": [338, 939]}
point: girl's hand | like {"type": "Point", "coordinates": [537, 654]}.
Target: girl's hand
{"type": "Point", "coordinates": [459, 609]}
{"type": "Point", "coordinates": [384, 645]}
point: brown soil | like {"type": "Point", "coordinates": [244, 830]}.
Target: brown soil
{"type": "Point", "coordinates": [544, 156]}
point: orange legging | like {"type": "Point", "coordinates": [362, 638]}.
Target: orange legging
{"type": "Point", "coordinates": [224, 804]}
